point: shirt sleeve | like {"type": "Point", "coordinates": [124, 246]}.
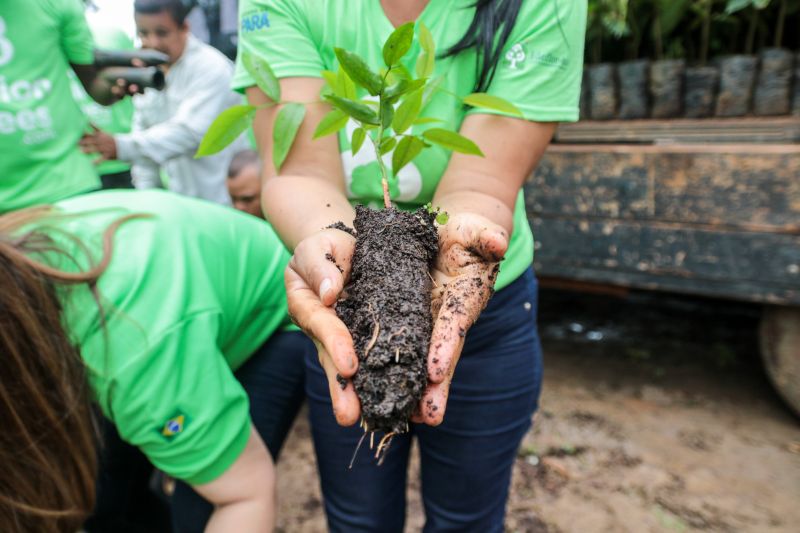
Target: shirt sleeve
{"type": "Point", "coordinates": [180, 403]}
{"type": "Point", "coordinates": [541, 65]}
{"type": "Point", "coordinates": [278, 32]}
{"type": "Point", "coordinates": [76, 37]}
{"type": "Point", "coordinates": [180, 135]}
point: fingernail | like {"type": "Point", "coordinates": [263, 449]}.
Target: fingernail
{"type": "Point", "coordinates": [324, 287]}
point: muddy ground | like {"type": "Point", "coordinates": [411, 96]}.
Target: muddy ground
{"type": "Point", "coordinates": [655, 416]}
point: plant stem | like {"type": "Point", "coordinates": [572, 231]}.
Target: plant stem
{"type": "Point", "coordinates": [751, 31]}
{"type": "Point", "coordinates": [705, 32]}
{"type": "Point", "coordinates": [657, 37]}
{"type": "Point", "coordinates": [780, 24]}
{"type": "Point", "coordinates": [387, 201]}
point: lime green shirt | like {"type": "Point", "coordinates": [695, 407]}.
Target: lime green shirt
{"type": "Point", "coordinates": [540, 72]}
{"type": "Point", "coordinates": [190, 293]}
{"type": "Point", "coordinates": [116, 118]}
{"type": "Point", "coordinates": [40, 123]}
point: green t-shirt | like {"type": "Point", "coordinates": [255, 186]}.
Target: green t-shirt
{"type": "Point", "coordinates": [540, 72]}
{"type": "Point", "coordinates": [190, 293]}
{"type": "Point", "coordinates": [116, 118]}
{"type": "Point", "coordinates": [40, 123]}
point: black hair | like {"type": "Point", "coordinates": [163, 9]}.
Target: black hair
{"type": "Point", "coordinates": [488, 34]}
{"type": "Point", "coordinates": [178, 9]}
{"type": "Point", "coordinates": [242, 160]}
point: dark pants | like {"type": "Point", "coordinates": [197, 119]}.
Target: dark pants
{"type": "Point", "coordinates": [273, 379]}
{"type": "Point", "coordinates": [467, 461]}
{"type": "Point", "coordinates": [126, 502]}
{"type": "Point", "coordinates": [117, 180]}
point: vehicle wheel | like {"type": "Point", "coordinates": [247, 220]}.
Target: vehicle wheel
{"type": "Point", "coordinates": [779, 336]}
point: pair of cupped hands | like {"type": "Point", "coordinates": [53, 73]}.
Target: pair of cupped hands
{"type": "Point", "coordinates": [470, 248]}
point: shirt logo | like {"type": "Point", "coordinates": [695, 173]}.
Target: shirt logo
{"type": "Point", "coordinates": [173, 426]}
{"type": "Point", "coordinates": [255, 22]}
{"type": "Point", "coordinates": [6, 48]}
{"type": "Point", "coordinates": [515, 55]}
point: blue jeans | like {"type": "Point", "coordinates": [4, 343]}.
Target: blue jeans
{"type": "Point", "coordinates": [466, 462]}
{"type": "Point", "coordinates": [273, 380]}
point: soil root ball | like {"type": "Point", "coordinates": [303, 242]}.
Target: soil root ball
{"type": "Point", "coordinates": [388, 312]}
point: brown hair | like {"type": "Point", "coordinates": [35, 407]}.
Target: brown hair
{"type": "Point", "coordinates": [48, 440]}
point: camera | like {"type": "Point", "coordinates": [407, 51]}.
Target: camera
{"type": "Point", "coordinates": [143, 77]}
{"type": "Point", "coordinates": [118, 64]}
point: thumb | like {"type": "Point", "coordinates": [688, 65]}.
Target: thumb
{"type": "Point", "coordinates": [492, 243]}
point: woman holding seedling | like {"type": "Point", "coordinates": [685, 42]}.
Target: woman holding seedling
{"type": "Point", "coordinates": [170, 314]}
{"type": "Point", "coordinates": [484, 365]}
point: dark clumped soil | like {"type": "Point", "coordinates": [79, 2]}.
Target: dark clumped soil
{"type": "Point", "coordinates": [387, 308]}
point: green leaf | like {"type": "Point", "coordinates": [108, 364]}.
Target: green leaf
{"type": "Point", "coordinates": [345, 86]}
{"type": "Point", "coordinates": [452, 141]}
{"type": "Point", "coordinates": [387, 114]}
{"type": "Point", "coordinates": [263, 76]}
{"type": "Point", "coordinates": [400, 72]}
{"type": "Point", "coordinates": [387, 144]}
{"type": "Point", "coordinates": [442, 218]}
{"type": "Point", "coordinates": [331, 123]}
{"type": "Point", "coordinates": [431, 88]}
{"type": "Point", "coordinates": [359, 71]}
{"type": "Point", "coordinates": [426, 39]}
{"type": "Point", "coordinates": [495, 103]}
{"type": "Point", "coordinates": [330, 79]}
{"type": "Point", "coordinates": [407, 113]}
{"type": "Point", "coordinates": [407, 149]}
{"type": "Point", "coordinates": [425, 64]}
{"type": "Point", "coordinates": [357, 110]}
{"type": "Point", "coordinates": [398, 44]}
{"type": "Point", "coordinates": [225, 129]}
{"type": "Point", "coordinates": [285, 130]}
{"type": "Point", "coordinates": [394, 92]}
{"type": "Point", "coordinates": [426, 120]}
{"type": "Point", "coordinates": [358, 140]}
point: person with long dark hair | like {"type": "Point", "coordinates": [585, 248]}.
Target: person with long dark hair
{"type": "Point", "coordinates": [477, 411]}
{"type": "Point", "coordinates": [169, 317]}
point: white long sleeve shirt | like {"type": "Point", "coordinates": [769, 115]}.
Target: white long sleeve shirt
{"type": "Point", "coordinates": [169, 124]}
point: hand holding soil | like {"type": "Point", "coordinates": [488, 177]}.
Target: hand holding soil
{"type": "Point", "coordinates": [314, 280]}
{"type": "Point", "coordinates": [470, 250]}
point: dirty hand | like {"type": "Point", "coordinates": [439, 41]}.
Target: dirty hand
{"type": "Point", "coordinates": [99, 142]}
{"type": "Point", "coordinates": [470, 250]}
{"type": "Point", "coordinates": [313, 284]}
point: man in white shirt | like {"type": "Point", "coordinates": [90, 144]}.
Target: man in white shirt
{"type": "Point", "coordinates": [168, 125]}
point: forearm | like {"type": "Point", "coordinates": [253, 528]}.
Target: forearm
{"type": "Point", "coordinates": [244, 495]}
{"type": "Point", "coordinates": [298, 206]}
{"type": "Point", "coordinates": [95, 85]}
{"type": "Point", "coordinates": [489, 205]}
{"type": "Point", "coordinates": [489, 186]}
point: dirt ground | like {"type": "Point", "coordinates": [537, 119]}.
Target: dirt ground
{"type": "Point", "coordinates": [655, 416]}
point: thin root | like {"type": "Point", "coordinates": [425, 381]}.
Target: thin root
{"type": "Point", "coordinates": [375, 332]}
{"type": "Point", "coordinates": [433, 280]}
{"type": "Point", "coordinates": [371, 440]}
{"type": "Point", "coordinates": [397, 355]}
{"type": "Point", "coordinates": [358, 447]}
{"type": "Point", "coordinates": [383, 446]}
{"type": "Point", "coordinates": [396, 334]}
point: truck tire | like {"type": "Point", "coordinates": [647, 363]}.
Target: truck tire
{"type": "Point", "coordinates": [779, 336]}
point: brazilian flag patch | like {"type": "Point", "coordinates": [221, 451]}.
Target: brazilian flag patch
{"type": "Point", "coordinates": [174, 426]}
